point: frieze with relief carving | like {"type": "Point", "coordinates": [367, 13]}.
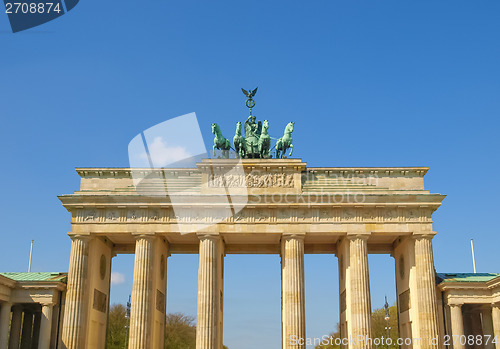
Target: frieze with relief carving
{"type": "Point", "coordinates": [112, 216]}
{"type": "Point", "coordinates": [154, 216]}
{"type": "Point", "coordinates": [268, 180]}
{"type": "Point", "coordinates": [91, 216]}
{"type": "Point", "coordinates": [133, 215]}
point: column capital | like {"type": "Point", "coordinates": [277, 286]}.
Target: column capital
{"type": "Point", "coordinates": [299, 236]}
{"type": "Point", "coordinates": [424, 235]}
{"type": "Point", "coordinates": [82, 237]}
{"type": "Point", "coordinates": [455, 305]}
{"type": "Point", "coordinates": [354, 236]}
{"type": "Point", "coordinates": [149, 236]}
{"type": "Point", "coordinates": [205, 236]}
{"type": "Point", "coordinates": [164, 241]}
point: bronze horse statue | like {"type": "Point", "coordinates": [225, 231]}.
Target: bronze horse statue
{"type": "Point", "coordinates": [220, 142]}
{"type": "Point", "coordinates": [265, 141]}
{"type": "Point", "coordinates": [239, 142]}
{"type": "Point", "coordinates": [285, 142]}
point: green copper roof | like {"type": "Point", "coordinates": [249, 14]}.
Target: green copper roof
{"type": "Point", "coordinates": [52, 277]}
{"type": "Point", "coordinates": [466, 277]}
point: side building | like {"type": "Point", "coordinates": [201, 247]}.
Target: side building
{"type": "Point", "coordinates": [469, 307]}
{"type": "Point", "coordinates": [31, 310]}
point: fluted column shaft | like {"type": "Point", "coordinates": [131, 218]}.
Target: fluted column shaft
{"type": "Point", "coordinates": [426, 290]}
{"type": "Point", "coordinates": [457, 324]}
{"type": "Point", "coordinates": [4, 324]}
{"type": "Point", "coordinates": [495, 315]}
{"type": "Point", "coordinates": [75, 311]}
{"type": "Point", "coordinates": [360, 299]}
{"type": "Point", "coordinates": [15, 327]}
{"type": "Point", "coordinates": [27, 330]}
{"type": "Point", "coordinates": [142, 295]}
{"type": "Point", "coordinates": [293, 292]}
{"type": "Point", "coordinates": [45, 326]}
{"type": "Point", "coordinates": [207, 328]}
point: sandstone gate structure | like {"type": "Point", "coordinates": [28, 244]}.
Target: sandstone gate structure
{"type": "Point", "coordinates": [286, 208]}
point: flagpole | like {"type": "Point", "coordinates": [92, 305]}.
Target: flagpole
{"type": "Point", "coordinates": [473, 257]}
{"type": "Point", "coordinates": [31, 255]}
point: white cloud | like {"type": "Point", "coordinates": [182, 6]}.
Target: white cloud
{"type": "Point", "coordinates": [117, 278]}
{"type": "Point", "coordinates": [163, 154]}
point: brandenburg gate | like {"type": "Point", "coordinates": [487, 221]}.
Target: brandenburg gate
{"type": "Point", "coordinates": [248, 206]}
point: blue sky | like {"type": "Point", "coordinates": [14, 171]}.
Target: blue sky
{"type": "Point", "coordinates": [368, 83]}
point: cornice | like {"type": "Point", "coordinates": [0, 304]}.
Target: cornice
{"type": "Point", "coordinates": [7, 282]}
{"type": "Point", "coordinates": [485, 286]}
{"type": "Point", "coordinates": [249, 164]}
{"type": "Point", "coordinates": [373, 171]}
{"type": "Point", "coordinates": [303, 199]}
{"type": "Point", "coordinates": [494, 283]}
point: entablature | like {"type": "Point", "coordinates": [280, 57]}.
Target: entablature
{"type": "Point", "coordinates": [113, 213]}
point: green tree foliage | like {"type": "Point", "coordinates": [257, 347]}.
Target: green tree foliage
{"type": "Point", "coordinates": [117, 331]}
{"type": "Point", "coordinates": [379, 330]}
{"type": "Point", "coordinates": [180, 330]}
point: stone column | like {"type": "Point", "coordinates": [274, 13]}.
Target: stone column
{"type": "Point", "coordinates": [209, 294]}
{"type": "Point", "coordinates": [359, 287]}
{"type": "Point", "coordinates": [15, 326]}
{"type": "Point", "coordinates": [426, 290]}
{"type": "Point", "coordinates": [292, 292]}
{"type": "Point", "coordinates": [457, 324]}
{"type": "Point", "coordinates": [45, 326]}
{"type": "Point", "coordinates": [4, 324]}
{"type": "Point", "coordinates": [495, 315]}
{"type": "Point", "coordinates": [27, 330]}
{"type": "Point", "coordinates": [142, 295]}
{"type": "Point", "coordinates": [73, 331]}
{"type": "Point", "coordinates": [36, 330]}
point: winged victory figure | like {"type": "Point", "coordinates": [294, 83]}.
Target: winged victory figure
{"type": "Point", "coordinates": [249, 93]}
